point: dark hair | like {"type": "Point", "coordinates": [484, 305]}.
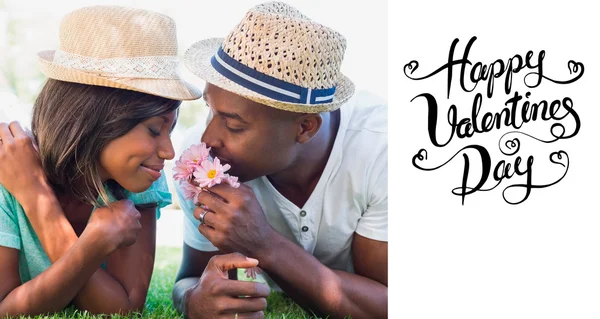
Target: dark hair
{"type": "Point", "coordinates": [72, 123]}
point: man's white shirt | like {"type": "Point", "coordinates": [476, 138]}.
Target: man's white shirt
{"type": "Point", "coordinates": [351, 195]}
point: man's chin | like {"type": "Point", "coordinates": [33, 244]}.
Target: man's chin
{"type": "Point", "coordinates": [243, 178]}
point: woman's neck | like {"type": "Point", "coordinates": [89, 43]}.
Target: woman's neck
{"type": "Point", "coordinates": [76, 211]}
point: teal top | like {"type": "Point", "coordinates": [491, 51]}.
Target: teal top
{"type": "Point", "coordinates": [16, 231]}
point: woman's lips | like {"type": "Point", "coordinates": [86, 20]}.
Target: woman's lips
{"type": "Point", "coordinates": [153, 170]}
{"type": "Point", "coordinates": [156, 167]}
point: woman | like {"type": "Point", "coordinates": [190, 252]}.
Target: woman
{"type": "Point", "coordinates": [102, 123]}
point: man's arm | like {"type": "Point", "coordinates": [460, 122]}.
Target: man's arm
{"type": "Point", "coordinates": [239, 224]}
{"type": "Point", "coordinates": [328, 292]}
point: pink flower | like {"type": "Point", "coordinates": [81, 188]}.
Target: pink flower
{"type": "Point", "coordinates": [190, 191]}
{"type": "Point", "coordinates": [232, 181]}
{"type": "Point", "coordinates": [189, 160]}
{"type": "Point", "coordinates": [196, 170]}
{"type": "Point", "coordinates": [209, 174]}
{"type": "Point", "coordinates": [195, 155]}
{"type": "Point", "coordinates": [183, 171]}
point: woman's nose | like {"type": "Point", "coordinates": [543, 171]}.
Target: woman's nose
{"type": "Point", "coordinates": [166, 150]}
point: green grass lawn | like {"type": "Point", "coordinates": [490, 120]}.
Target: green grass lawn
{"type": "Point", "coordinates": [159, 305]}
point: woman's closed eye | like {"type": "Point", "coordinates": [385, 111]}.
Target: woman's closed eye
{"type": "Point", "coordinates": [234, 130]}
{"type": "Point", "coordinates": [154, 132]}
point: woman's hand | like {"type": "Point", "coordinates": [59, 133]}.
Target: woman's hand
{"type": "Point", "coordinates": [21, 171]}
{"type": "Point", "coordinates": [116, 226]}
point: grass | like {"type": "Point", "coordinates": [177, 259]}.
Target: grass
{"type": "Point", "coordinates": [159, 304]}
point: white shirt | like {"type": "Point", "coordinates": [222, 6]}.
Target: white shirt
{"type": "Point", "coordinates": [351, 195]}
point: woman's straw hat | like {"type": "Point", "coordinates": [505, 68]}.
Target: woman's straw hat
{"type": "Point", "coordinates": [278, 57]}
{"type": "Point", "coordinates": [119, 47]}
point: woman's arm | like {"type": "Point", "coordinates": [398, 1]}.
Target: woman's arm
{"type": "Point", "coordinates": [22, 175]}
{"type": "Point", "coordinates": [104, 292]}
{"type": "Point", "coordinates": [54, 288]}
{"type": "Point", "coordinates": [123, 286]}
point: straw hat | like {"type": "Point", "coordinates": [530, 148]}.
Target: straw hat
{"type": "Point", "coordinates": [278, 57]}
{"type": "Point", "coordinates": [119, 47]}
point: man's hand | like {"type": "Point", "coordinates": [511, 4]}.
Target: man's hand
{"type": "Point", "coordinates": [21, 172]}
{"type": "Point", "coordinates": [235, 221]}
{"type": "Point", "coordinates": [216, 296]}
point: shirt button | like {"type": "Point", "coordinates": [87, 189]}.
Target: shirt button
{"type": "Point", "coordinates": [302, 213]}
{"type": "Point", "coordinates": [304, 229]}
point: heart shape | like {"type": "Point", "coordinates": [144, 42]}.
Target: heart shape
{"type": "Point", "coordinates": [574, 66]}
{"type": "Point", "coordinates": [411, 66]}
{"type": "Point", "coordinates": [421, 155]}
{"type": "Point", "coordinates": [556, 157]}
{"type": "Point", "coordinates": [513, 146]}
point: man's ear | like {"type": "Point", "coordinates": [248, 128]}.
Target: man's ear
{"type": "Point", "coordinates": [308, 126]}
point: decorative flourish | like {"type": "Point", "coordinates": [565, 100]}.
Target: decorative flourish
{"type": "Point", "coordinates": [576, 68]}
{"type": "Point", "coordinates": [556, 158]}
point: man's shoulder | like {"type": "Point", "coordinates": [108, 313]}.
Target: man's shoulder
{"type": "Point", "coordinates": [366, 129]}
{"type": "Point", "coordinates": [369, 113]}
{"type": "Point", "coordinates": [365, 144]}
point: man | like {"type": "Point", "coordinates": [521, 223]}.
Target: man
{"type": "Point", "coordinates": [312, 212]}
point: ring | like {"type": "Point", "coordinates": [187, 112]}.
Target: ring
{"type": "Point", "coordinates": [201, 217]}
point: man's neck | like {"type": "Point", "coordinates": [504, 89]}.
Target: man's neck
{"type": "Point", "coordinates": [299, 181]}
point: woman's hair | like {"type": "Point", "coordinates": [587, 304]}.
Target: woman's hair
{"type": "Point", "coordinates": [72, 123]}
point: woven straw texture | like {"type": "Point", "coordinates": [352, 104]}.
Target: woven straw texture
{"type": "Point", "coordinates": [278, 40]}
{"type": "Point", "coordinates": [132, 39]}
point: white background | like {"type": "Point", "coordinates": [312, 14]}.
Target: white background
{"type": "Point", "coordinates": [489, 259]}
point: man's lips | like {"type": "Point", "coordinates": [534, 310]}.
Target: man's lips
{"type": "Point", "coordinates": [223, 160]}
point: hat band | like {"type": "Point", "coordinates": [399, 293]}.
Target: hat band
{"type": "Point", "coordinates": [267, 85]}
{"type": "Point", "coordinates": [146, 67]}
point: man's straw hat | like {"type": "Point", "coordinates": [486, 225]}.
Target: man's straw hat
{"type": "Point", "coordinates": [278, 57]}
{"type": "Point", "coordinates": [119, 47]}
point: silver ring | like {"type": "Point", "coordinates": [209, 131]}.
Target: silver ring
{"type": "Point", "coordinates": [201, 217]}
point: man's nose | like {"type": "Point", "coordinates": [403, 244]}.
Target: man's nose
{"type": "Point", "coordinates": [211, 136]}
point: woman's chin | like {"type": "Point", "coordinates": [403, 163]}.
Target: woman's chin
{"type": "Point", "coordinates": [137, 187]}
